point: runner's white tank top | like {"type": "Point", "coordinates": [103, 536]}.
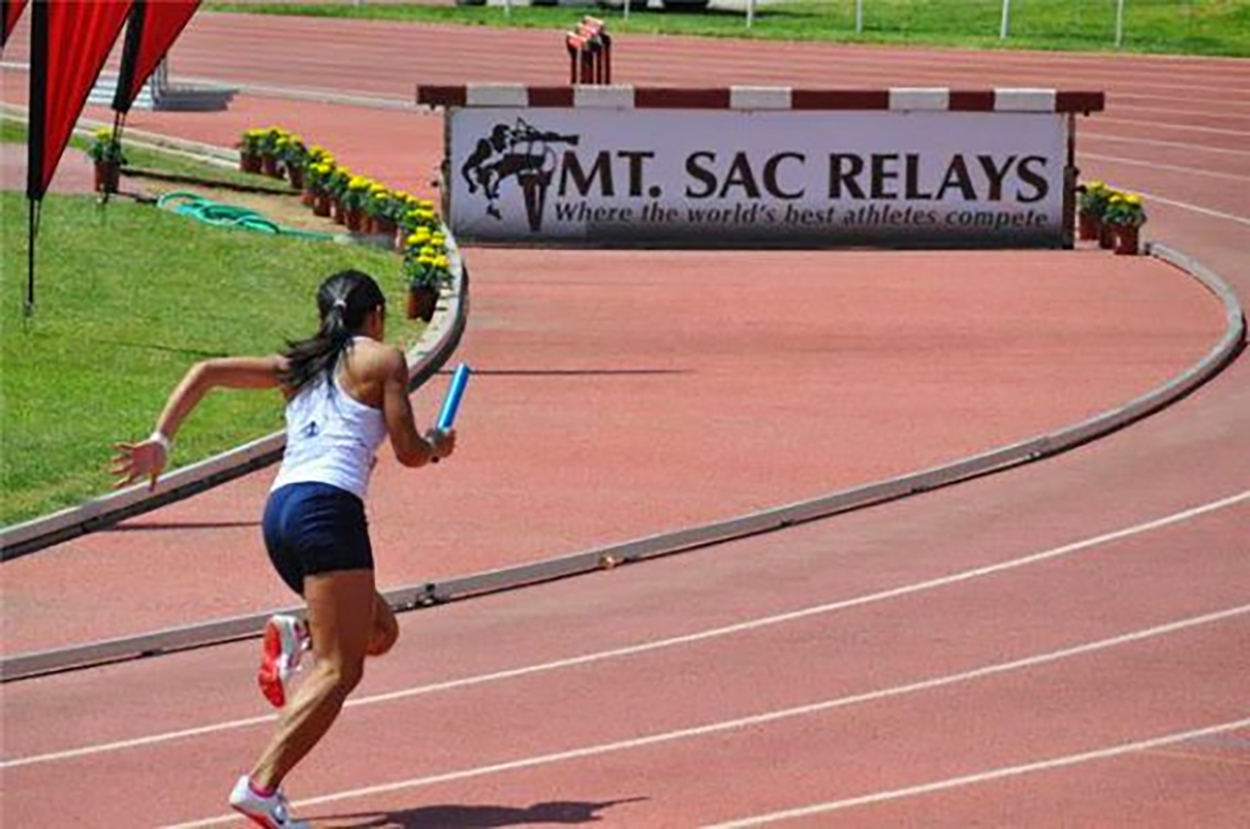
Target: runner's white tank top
{"type": "Point", "coordinates": [331, 438]}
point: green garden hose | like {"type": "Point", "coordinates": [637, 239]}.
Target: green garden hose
{"type": "Point", "coordinates": [228, 215]}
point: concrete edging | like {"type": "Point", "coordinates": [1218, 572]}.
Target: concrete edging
{"type": "Point", "coordinates": [432, 593]}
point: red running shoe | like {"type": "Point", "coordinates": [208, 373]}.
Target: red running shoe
{"type": "Point", "coordinates": [286, 639]}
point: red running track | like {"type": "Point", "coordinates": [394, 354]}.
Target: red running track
{"type": "Point", "coordinates": [1032, 644]}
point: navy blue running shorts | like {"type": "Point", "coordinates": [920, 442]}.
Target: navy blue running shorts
{"type": "Point", "coordinates": [313, 528]}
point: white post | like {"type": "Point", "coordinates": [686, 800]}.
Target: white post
{"type": "Point", "coordinates": [626, 5]}
{"type": "Point", "coordinates": [1119, 23]}
{"type": "Point", "coordinates": [1005, 28]}
{"type": "Point", "coordinates": [507, 8]}
{"type": "Point", "coordinates": [750, 12]}
{"type": "Point", "coordinates": [859, 17]}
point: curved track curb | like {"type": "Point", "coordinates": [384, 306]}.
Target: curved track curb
{"type": "Point", "coordinates": [432, 593]}
{"type": "Point", "coordinates": [432, 349]}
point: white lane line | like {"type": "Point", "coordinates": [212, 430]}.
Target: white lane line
{"type": "Point", "coordinates": [983, 777]}
{"type": "Point", "coordinates": [1180, 145]}
{"type": "Point", "coordinates": [1206, 211]}
{"type": "Point", "coordinates": [1102, 119]}
{"type": "Point", "coordinates": [756, 719]}
{"type": "Point", "coordinates": [1223, 113]}
{"type": "Point", "coordinates": [1194, 171]}
{"type": "Point", "coordinates": [658, 644]}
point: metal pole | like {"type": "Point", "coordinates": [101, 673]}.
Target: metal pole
{"type": "Point", "coordinates": [859, 17]}
{"type": "Point", "coordinates": [1119, 23]}
{"type": "Point", "coordinates": [625, 3]}
{"type": "Point", "coordinates": [507, 8]}
{"type": "Point", "coordinates": [1005, 28]}
{"type": "Point", "coordinates": [28, 307]}
{"type": "Point", "coordinates": [750, 12]}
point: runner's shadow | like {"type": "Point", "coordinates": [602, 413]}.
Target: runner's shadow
{"type": "Point", "coordinates": [482, 817]}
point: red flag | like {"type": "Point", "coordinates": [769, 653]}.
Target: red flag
{"type": "Point", "coordinates": [10, 10]}
{"type": "Point", "coordinates": [154, 26]}
{"type": "Point", "coordinates": [70, 40]}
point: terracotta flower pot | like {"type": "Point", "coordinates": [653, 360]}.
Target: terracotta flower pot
{"type": "Point", "coordinates": [354, 219]}
{"type": "Point", "coordinates": [296, 176]}
{"type": "Point", "coordinates": [269, 166]}
{"type": "Point", "coordinates": [1127, 240]}
{"type": "Point", "coordinates": [249, 162]}
{"type": "Point", "coordinates": [1088, 225]}
{"type": "Point", "coordinates": [321, 205]}
{"type": "Point", "coordinates": [107, 175]}
{"type": "Point", "coordinates": [308, 198]}
{"type": "Point", "coordinates": [338, 211]}
{"type": "Point", "coordinates": [1106, 236]}
{"type": "Point", "coordinates": [422, 300]}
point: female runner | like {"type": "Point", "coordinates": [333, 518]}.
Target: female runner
{"type": "Point", "coordinates": [346, 392]}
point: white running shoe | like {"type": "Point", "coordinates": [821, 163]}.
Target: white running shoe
{"type": "Point", "coordinates": [286, 639]}
{"type": "Point", "coordinates": [272, 812]}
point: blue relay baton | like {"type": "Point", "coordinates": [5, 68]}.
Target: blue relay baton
{"type": "Point", "coordinates": [451, 403]}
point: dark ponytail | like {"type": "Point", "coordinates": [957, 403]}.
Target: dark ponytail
{"type": "Point", "coordinates": [344, 300]}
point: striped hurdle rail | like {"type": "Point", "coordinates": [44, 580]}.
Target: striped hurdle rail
{"type": "Point", "coordinates": [590, 53]}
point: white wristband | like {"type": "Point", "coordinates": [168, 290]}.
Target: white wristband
{"type": "Point", "coordinates": [159, 437]}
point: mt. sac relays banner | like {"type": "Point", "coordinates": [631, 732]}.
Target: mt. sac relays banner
{"type": "Point", "coordinates": [727, 177]}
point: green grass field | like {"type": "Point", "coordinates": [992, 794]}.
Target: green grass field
{"type": "Point", "coordinates": [1202, 27]}
{"type": "Point", "coordinates": [127, 298]}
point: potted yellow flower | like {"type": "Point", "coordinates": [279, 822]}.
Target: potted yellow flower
{"type": "Point", "coordinates": [106, 152]}
{"type": "Point", "coordinates": [1092, 201]}
{"type": "Point", "coordinates": [1126, 215]}
{"type": "Point", "coordinates": [353, 200]}
{"type": "Point", "coordinates": [292, 153]}
{"type": "Point", "coordinates": [314, 175]}
{"type": "Point", "coordinates": [426, 266]}
{"type": "Point", "coordinates": [269, 151]}
{"type": "Point", "coordinates": [378, 210]}
{"type": "Point", "coordinates": [336, 186]}
{"type": "Point", "coordinates": [317, 185]}
{"type": "Point", "coordinates": [250, 150]}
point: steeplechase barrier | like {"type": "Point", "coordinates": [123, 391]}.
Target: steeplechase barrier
{"type": "Point", "coordinates": [612, 165]}
{"type": "Point", "coordinates": [590, 53]}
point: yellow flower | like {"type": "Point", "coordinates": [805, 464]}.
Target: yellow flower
{"type": "Point", "coordinates": [428, 251]}
{"type": "Point", "coordinates": [1133, 199]}
{"type": "Point", "coordinates": [440, 262]}
{"type": "Point", "coordinates": [1095, 185]}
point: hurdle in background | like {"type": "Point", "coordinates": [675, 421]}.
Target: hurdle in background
{"type": "Point", "coordinates": [590, 53]}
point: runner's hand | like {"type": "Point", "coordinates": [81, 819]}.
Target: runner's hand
{"type": "Point", "coordinates": [138, 460]}
{"type": "Point", "coordinates": [442, 440]}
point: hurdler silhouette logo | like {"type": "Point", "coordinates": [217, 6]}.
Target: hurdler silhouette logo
{"type": "Point", "coordinates": [520, 152]}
